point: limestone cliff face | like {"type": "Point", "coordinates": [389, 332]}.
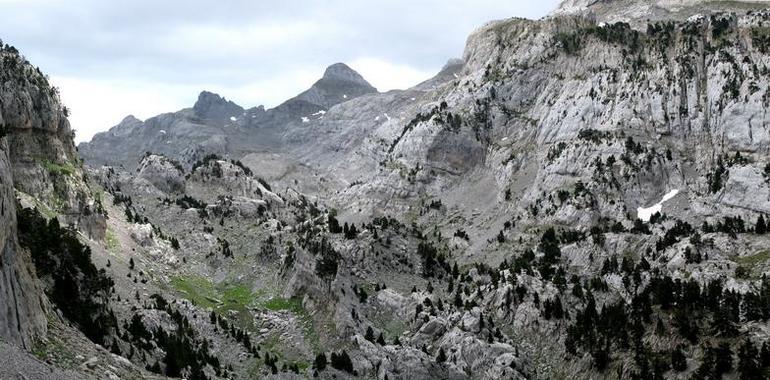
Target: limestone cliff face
{"type": "Point", "coordinates": [21, 306]}
{"type": "Point", "coordinates": [42, 153]}
{"type": "Point", "coordinates": [539, 107]}
{"type": "Point", "coordinates": [639, 12]}
{"type": "Point", "coordinates": [38, 161]}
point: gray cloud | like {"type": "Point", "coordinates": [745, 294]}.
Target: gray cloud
{"type": "Point", "coordinates": [236, 46]}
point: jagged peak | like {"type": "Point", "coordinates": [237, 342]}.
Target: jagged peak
{"type": "Point", "coordinates": [207, 98]}
{"type": "Point", "coordinates": [215, 107]}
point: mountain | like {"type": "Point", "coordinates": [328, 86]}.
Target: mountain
{"type": "Point", "coordinates": [574, 198]}
{"type": "Point", "coordinates": [338, 84]}
{"type": "Point", "coordinates": [216, 125]}
{"type": "Point", "coordinates": [214, 108]}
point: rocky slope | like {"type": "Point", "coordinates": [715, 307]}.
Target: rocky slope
{"type": "Point", "coordinates": [605, 185]}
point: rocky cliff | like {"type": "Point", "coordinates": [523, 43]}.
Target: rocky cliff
{"type": "Point", "coordinates": [22, 319]}
{"type": "Point", "coordinates": [641, 12]}
{"type": "Point", "coordinates": [39, 163]}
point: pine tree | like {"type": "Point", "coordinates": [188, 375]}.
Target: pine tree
{"type": "Point", "coordinates": [369, 334]}
{"type": "Point", "coordinates": [320, 362]}
{"type": "Point", "coordinates": [678, 360]}
{"type": "Point", "coordinates": [761, 227]}
{"type": "Point", "coordinates": [441, 357]}
{"type": "Point", "coordinates": [748, 362]}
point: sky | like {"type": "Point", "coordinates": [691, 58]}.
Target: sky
{"type": "Point", "coordinates": [111, 59]}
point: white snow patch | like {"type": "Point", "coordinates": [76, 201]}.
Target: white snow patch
{"type": "Point", "coordinates": [319, 113]}
{"type": "Point", "coordinates": [456, 76]}
{"type": "Point", "coordinates": [413, 99]}
{"type": "Point", "coordinates": [387, 117]}
{"type": "Point", "coordinates": [233, 118]}
{"type": "Point", "coordinates": [344, 96]}
{"type": "Point", "coordinates": [377, 118]}
{"type": "Point", "coordinates": [162, 131]}
{"type": "Point", "coordinates": [644, 214]}
{"type": "Point", "coordinates": [305, 119]}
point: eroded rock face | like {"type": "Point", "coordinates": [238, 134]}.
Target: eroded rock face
{"type": "Point", "coordinates": [41, 149]}
{"type": "Point", "coordinates": [39, 162]}
{"type": "Point", "coordinates": [22, 318]}
{"type": "Point", "coordinates": [165, 174]}
{"type": "Point", "coordinates": [639, 11]}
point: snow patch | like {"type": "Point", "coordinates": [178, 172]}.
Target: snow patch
{"type": "Point", "coordinates": [162, 131]}
{"type": "Point", "coordinates": [456, 76]}
{"type": "Point", "coordinates": [344, 96]}
{"type": "Point", "coordinates": [377, 118]}
{"type": "Point", "coordinates": [644, 214]}
{"type": "Point", "coordinates": [319, 113]}
{"type": "Point", "coordinates": [387, 117]}
{"type": "Point", "coordinates": [305, 119]}
{"type": "Point", "coordinates": [233, 118]}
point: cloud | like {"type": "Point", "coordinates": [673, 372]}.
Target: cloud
{"type": "Point", "coordinates": [97, 105]}
{"type": "Point", "coordinates": [387, 76]}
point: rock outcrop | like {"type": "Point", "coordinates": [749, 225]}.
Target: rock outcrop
{"type": "Point", "coordinates": [22, 318]}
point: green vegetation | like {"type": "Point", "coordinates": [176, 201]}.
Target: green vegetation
{"type": "Point", "coordinates": [222, 297]}
{"type": "Point", "coordinates": [65, 358]}
{"type": "Point", "coordinates": [747, 264]}
{"type": "Point", "coordinates": [66, 168]}
{"type": "Point", "coordinates": [76, 286]}
{"type": "Point", "coordinates": [290, 304]}
{"type": "Point", "coordinates": [111, 241]}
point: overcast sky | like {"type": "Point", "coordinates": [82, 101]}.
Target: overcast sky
{"type": "Point", "coordinates": [143, 57]}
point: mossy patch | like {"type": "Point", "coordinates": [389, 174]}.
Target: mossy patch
{"type": "Point", "coordinates": [752, 260]}
{"type": "Point", "coordinates": [221, 297]}
{"type": "Point", "coordinates": [747, 264]}
{"type": "Point", "coordinates": [57, 350]}
{"type": "Point", "coordinates": [293, 305]}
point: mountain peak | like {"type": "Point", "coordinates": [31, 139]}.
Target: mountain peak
{"type": "Point", "coordinates": [338, 84]}
{"type": "Point", "coordinates": [130, 119]}
{"type": "Point", "coordinates": [341, 71]}
{"type": "Point", "coordinates": [214, 107]}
